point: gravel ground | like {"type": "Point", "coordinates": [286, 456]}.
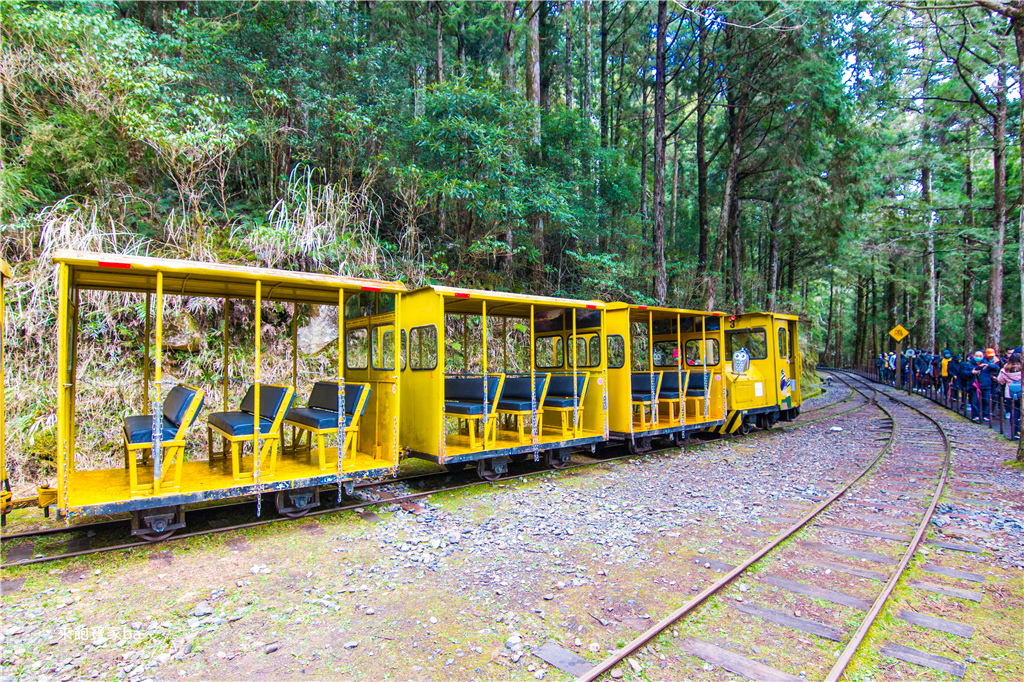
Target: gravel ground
{"type": "Point", "coordinates": [465, 588]}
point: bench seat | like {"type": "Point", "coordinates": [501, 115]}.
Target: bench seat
{"type": "Point", "coordinates": [518, 400]}
{"type": "Point", "coordinates": [560, 398]}
{"type": "Point", "coordinates": [239, 426]}
{"type": "Point", "coordinates": [180, 408]}
{"type": "Point", "coordinates": [320, 416]}
{"type": "Point", "coordinates": [464, 400]}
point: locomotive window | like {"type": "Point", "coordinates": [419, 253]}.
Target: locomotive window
{"type": "Point", "coordinates": [355, 348]}
{"type": "Point", "coordinates": [754, 340]}
{"type": "Point", "coordinates": [549, 352]}
{"type": "Point", "coordinates": [783, 343]}
{"type": "Point", "coordinates": [585, 357]}
{"type": "Point", "coordinates": [693, 358]}
{"type": "Point", "coordinates": [665, 353]}
{"type": "Point", "coordinates": [423, 347]}
{"type": "Point", "coordinates": [382, 347]}
{"type": "Point", "coordinates": [616, 351]}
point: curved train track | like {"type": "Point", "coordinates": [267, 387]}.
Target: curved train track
{"type": "Point", "coordinates": [914, 449]}
{"type": "Point", "coordinates": [442, 479]}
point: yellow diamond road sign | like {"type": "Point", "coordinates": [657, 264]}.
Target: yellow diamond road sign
{"type": "Point", "coordinates": [898, 332]}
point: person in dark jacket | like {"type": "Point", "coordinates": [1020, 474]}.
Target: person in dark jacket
{"type": "Point", "coordinates": [978, 376]}
{"type": "Point", "coordinates": [879, 364]}
{"type": "Point", "coordinates": [906, 367]}
{"type": "Point", "coordinates": [922, 378]}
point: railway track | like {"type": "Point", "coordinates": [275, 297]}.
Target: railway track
{"type": "Point", "coordinates": [897, 488]}
{"type": "Point", "coordinates": [82, 544]}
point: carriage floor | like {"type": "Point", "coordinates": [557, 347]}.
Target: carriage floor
{"type": "Point", "coordinates": [104, 486]}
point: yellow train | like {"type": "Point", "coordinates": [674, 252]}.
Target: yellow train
{"type": "Point", "coordinates": [460, 377]}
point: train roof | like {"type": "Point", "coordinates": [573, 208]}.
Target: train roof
{"type": "Point", "coordinates": [639, 313]}
{"type": "Point", "coordinates": [504, 303]}
{"type": "Point", "coordinates": [137, 274]}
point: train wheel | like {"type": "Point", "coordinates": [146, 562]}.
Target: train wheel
{"type": "Point", "coordinates": [554, 461]}
{"type": "Point", "coordinates": [639, 446]}
{"type": "Point", "coordinates": [745, 426]}
{"type": "Point", "coordinates": [485, 470]}
{"type": "Point", "coordinates": [296, 503]}
{"type": "Point", "coordinates": [156, 537]}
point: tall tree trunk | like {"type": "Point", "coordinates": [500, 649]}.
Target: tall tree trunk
{"type": "Point", "coordinates": [439, 71]}
{"type": "Point", "coordinates": [567, 17]}
{"type": "Point", "coordinates": [702, 161]}
{"type": "Point", "coordinates": [462, 49]}
{"type": "Point", "coordinates": [588, 88]}
{"type": "Point", "coordinates": [994, 320]}
{"type": "Point", "coordinates": [546, 34]}
{"type": "Point", "coordinates": [736, 251]}
{"type": "Point", "coordinates": [967, 294]}
{"type": "Point", "coordinates": [604, 73]}
{"type": "Point", "coordinates": [533, 64]}
{"type": "Point", "coordinates": [643, 152]}
{"type": "Point", "coordinates": [875, 350]}
{"type": "Point", "coordinates": [508, 71]}
{"type": "Point", "coordinates": [772, 278]}
{"type": "Point", "coordinates": [929, 256]}
{"type": "Point", "coordinates": [508, 79]}
{"type": "Point", "coordinates": [675, 191]}
{"type": "Point", "coordinates": [660, 276]}
{"type": "Point", "coordinates": [738, 112]}
{"type": "Point", "coordinates": [831, 312]}
{"type": "Point", "coordinates": [890, 302]}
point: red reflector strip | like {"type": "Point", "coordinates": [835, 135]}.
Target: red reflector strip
{"type": "Point", "coordinates": [461, 295]}
{"type": "Point", "coordinates": [371, 288]}
{"type": "Point", "coordinates": [642, 307]}
{"type": "Point", "coordinates": [591, 307]}
{"type": "Point", "coordinates": [109, 264]}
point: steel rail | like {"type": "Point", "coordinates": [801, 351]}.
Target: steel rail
{"type": "Point", "coordinates": [858, 637]}
{"type": "Point", "coordinates": [630, 648]}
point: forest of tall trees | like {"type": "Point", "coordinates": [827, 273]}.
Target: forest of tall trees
{"type": "Point", "coordinates": [858, 163]}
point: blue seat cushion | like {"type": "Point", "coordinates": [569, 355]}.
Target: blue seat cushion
{"type": "Point", "coordinates": [464, 408]}
{"type": "Point", "coordinates": [270, 401]}
{"type": "Point", "coordinates": [315, 418]}
{"type": "Point", "coordinates": [695, 392]}
{"type": "Point", "coordinates": [640, 384]}
{"type": "Point", "coordinates": [669, 382]}
{"type": "Point", "coordinates": [237, 423]}
{"type": "Point", "coordinates": [176, 404]}
{"type": "Point", "coordinates": [324, 396]}
{"type": "Point", "coordinates": [646, 397]}
{"type": "Point", "coordinates": [469, 389]}
{"type": "Point", "coordinates": [139, 429]}
{"type": "Point", "coordinates": [561, 388]}
{"type": "Point", "coordinates": [516, 405]}
{"type": "Point", "coordinates": [668, 395]}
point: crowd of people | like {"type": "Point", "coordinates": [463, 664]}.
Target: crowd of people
{"type": "Point", "coordinates": [984, 379]}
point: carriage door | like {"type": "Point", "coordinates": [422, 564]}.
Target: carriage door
{"type": "Point", "coordinates": [795, 361]}
{"type": "Point", "coordinates": [784, 379]}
